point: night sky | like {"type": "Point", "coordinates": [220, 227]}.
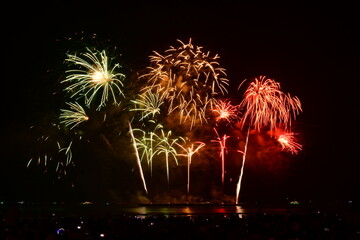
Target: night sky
{"type": "Point", "coordinates": [309, 49]}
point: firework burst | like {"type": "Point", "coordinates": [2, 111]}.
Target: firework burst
{"type": "Point", "coordinates": [188, 79]}
{"type": "Point", "coordinates": [54, 151]}
{"type": "Point", "coordinates": [267, 105]}
{"type": "Point", "coordinates": [94, 76]}
{"type": "Point", "coordinates": [225, 111]}
{"type": "Point", "coordinates": [288, 143]}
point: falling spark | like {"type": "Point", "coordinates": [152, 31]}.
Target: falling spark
{"type": "Point", "coordinates": [94, 76]}
{"type": "Point", "coordinates": [68, 153]}
{"type": "Point", "coordinates": [73, 117]}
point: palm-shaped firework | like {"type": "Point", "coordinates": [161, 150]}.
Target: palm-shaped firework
{"type": "Point", "coordinates": [166, 146]}
{"type": "Point", "coordinates": [188, 79]}
{"type": "Point", "coordinates": [190, 149]}
{"type": "Point", "coordinates": [265, 105]}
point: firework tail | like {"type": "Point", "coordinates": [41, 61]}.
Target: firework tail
{"type": "Point", "coordinates": [238, 185]}
{"type": "Point", "coordinates": [137, 158]}
{"type": "Point", "coordinates": [188, 174]}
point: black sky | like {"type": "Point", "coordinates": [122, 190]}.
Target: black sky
{"type": "Point", "coordinates": [309, 49]}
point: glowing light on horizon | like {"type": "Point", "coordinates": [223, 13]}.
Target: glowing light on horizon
{"type": "Point", "coordinates": [94, 76]}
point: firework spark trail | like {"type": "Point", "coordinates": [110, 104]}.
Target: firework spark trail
{"type": "Point", "coordinates": [190, 151]}
{"type": "Point", "coordinates": [288, 143]}
{"type": "Point", "coordinates": [73, 117]}
{"type": "Point", "coordinates": [222, 143]}
{"type": "Point", "coordinates": [266, 105]}
{"type": "Point", "coordinates": [138, 161]}
{"type": "Point", "coordinates": [188, 79]}
{"type": "Point", "coordinates": [238, 185]}
{"type": "Point", "coordinates": [93, 76]}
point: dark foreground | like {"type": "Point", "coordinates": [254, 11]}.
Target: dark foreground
{"type": "Point", "coordinates": [177, 222]}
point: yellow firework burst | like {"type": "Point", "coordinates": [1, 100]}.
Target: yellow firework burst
{"type": "Point", "coordinates": [94, 75]}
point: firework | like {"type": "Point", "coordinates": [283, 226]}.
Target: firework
{"type": "Point", "coordinates": [147, 144]}
{"type": "Point", "coordinates": [189, 152]}
{"type": "Point", "coordinates": [93, 75]}
{"type": "Point", "coordinates": [53, 151]}
{"type": "Point", "coordinates": [266, 106]}
{"type": "Point", "coordinates": [188, 79]}
{"type": "Point", "coordinates": [138, 160]}
{"type": "Point", "coordinates": [288, 143]}
{"type": "Point", "coordinates": [166, 146]}
{"type": "Point", "coordinates": [75, 116]}
{"type": "Point", "coordinates": [68, 153]}
{"type": "Point", "coordinates": [238, 185]}
{"type": "Point", "coordinates": [148, 104]}
{"type": "Point", "coordinates": [222, 143]}
{"type": "Point", "coordinates": [226, 111]}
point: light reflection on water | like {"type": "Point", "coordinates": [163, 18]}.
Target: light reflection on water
{"type": "Point", "coordinates": [185, 210]}
{"type": "Point", "coordinates": [201, 210]}
{"type": "Point", "coordinates": [146, 210]}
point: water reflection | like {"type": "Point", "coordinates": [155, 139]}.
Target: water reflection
{"type": "Point", "coordinates": [187, 210]}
